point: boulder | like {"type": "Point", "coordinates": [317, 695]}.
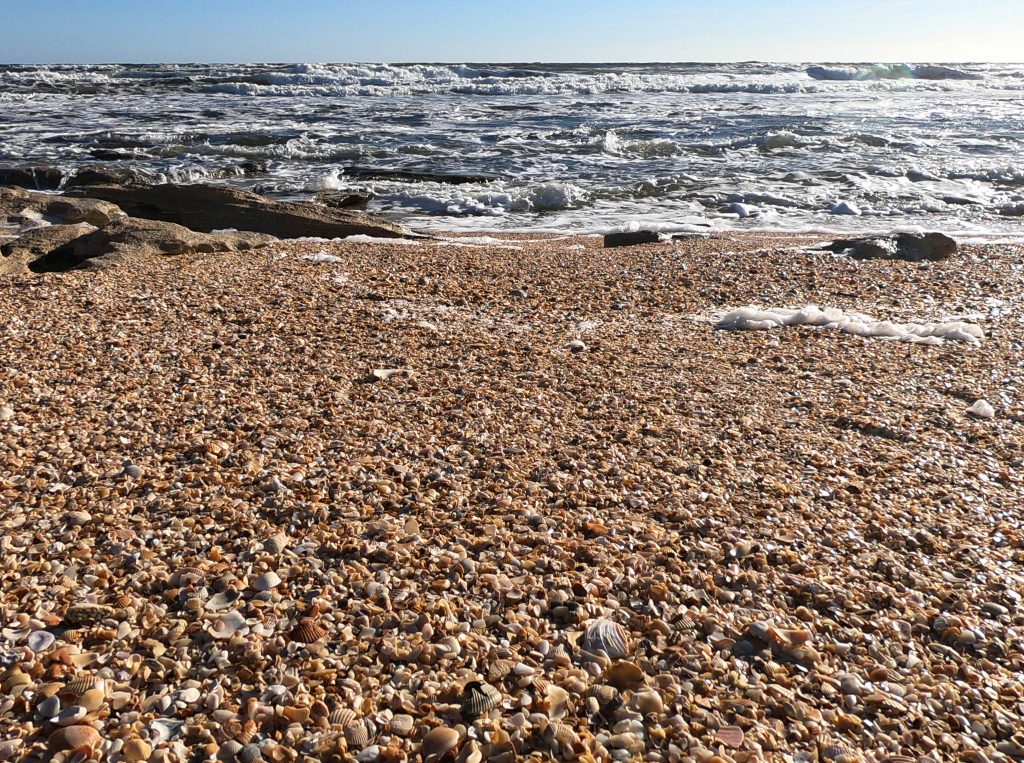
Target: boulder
{"type": "Point", "coordinates": [65, 210]}
{"type": "Point", "coordinates": [38, 178]}
{"type": "Point", "coordinates": [913, 247]}
{"type": "Point", "coordinates": [57, 248]}
{"type": "Point", "coordinates": [209, 208]}
{"type": "Point", "coordinates": [53, 242]}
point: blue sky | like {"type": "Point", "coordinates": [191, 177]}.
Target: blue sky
{"type": "Point", "coordinates": [88, 31]}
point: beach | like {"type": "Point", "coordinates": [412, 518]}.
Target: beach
{"type": "Point", "coordinates": [497, 497]}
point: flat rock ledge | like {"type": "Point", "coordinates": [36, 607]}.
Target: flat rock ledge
{"type": "Point", "coordinates": [208, 208]}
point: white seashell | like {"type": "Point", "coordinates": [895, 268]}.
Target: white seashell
{"type": "Point", "coordinates": [189, 696]}
{"type": "Point", "coordinates": [982, 410]}
{"type": "Point", "coordinates": [71, 715]}
{"type": "Point", "coordinates": [266, 581]}
{"type": "Point", "coordinates": [39, 641]}
{"type": "Point", "coordinates": [606, 636]}
{"type": "Point", "coordinates": [228, 624]}
{"type": "Point", "coordinates": [222, 600]}
{"type": "Point", "coordinates": [162, 730]}
{"type": "Point", "coordinates": [522, 669]}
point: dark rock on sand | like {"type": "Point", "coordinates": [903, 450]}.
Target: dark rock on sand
{"type": "Point", "coordinates": [913, 247]}
{"type": "Point", "coordinates": [55, 242]}
{"type": "Point", "coordinates": [632, 238]}
{"type": "Point", "coordinates": [345, 200]}
{"type": "Point", "coordinates": [209, 208]}
{"type": "Point", "coordinates": [367, 173]}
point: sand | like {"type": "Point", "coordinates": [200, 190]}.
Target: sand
{"type": "Point", "coordinates": [524, 496]}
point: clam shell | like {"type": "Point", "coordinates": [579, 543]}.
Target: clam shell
{"type": "Point", "coordinates": [359, 733]}
{"type": "Point", "coordinates": [624, 675]}
{"type": "Point", "coordinates": [605, 694]}
{"type": "Point", "coordinates": [76, 687]}
{"type": "Point", "coordinates": [266, 581]}
{"type": "Point", "coordinates": [227, 625]}
{"type": "Point", "coordinates": [73, 737]}
{"type": "Point", "coordinates": [839, 752]}
{"type": "Point", "coordinates": [308, 631]}
{"type": "Point", "coordinates": [40, 641]}
{"type": "Point", "coordinates": [558, 702]}
{"type": "Point", "coordinates": [478, 698]}
{"type": "Point", "coordinates": [647, 702]}
{"type": "Point", "coordinates": [562, 733]}
{"type": "Point", "coordinates": [88, 614]}
{"type": "Point", "coordinates": [401, 725]}
{"type": "Point", "coordinates": [438, 743]}
{"type": "Point", "coordinates": [603, 635]}
{"type": "Point", "coordinates": [731, 736]}
{"type": "Point", "coordinates": [222, 600]}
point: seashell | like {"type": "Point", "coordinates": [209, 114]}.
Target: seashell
{"type": "Point", "coordinates": [438, 743]}
{"type": "Point", "coordinates": [124, 601]}
{"type": "Point", "coordinates": [49, 707]}
{"type": "Point", "coordinates": [478, 698]}
{"type": "Point", "coordinates": [266, 581]}
{"type": "Point", "coordinates": [471, 753]}
{"type": "Point", "coordinates": [88, 614]}
{"type": "Point", "coordinates": [731, 736]}
{"type": "Point", "coordinates": [562, 733]}
{"type": "Point", "coordinates": [308, 631]}
{"type": "Point", "coordinates": [77, 687]}
{"type": "Point", "coordinates": [93, 699]}
{"type": "Point", "coordinates": [71, 715]}
{"type": "Point", "coordinates": [227, 625]}
{"type": "Point", "coordinates": [624, 675]}
{"type": "Point", "coordinates": [277, 544]}
{"type": "Point", "coordinates": [222, 600]}
{"type": "Point", "coordinates": [49, 689]}
{"type": "Point", "coordinates": [341, 717]}
{"type": "Point", "coordinates": [603, 635]}
{"type": "Point", "coordinates": [163, 729]}
{"type": "Point", "coordinates": [359, 733]}
{"type": "Point", "coordinates": [500, 669]}
{"type": "Point", "coordinates": [401, 725]}
{"type": "Point", "coordinates": [136, 750]}
{"type": "Point", "coordinates": [558, 702]}
{"type": "Point", "coordinates": [40, 641]}
{"type": "Point", "coordinates": [77, 518]}
{"type": "Point", "coordinates": [839, 753]}
{"type": "Point", "coordinates": [647, 702]}
{"type": "Point", "coordinates": [250, 753]}
{"type": "Point", "coordinates": [789, 639]}
{"type": "Point", "coordinates": [74, 737]}
{"type": "Point", "coordinates": [73, 635]}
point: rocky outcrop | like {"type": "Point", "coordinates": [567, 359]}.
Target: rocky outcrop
{"type": "Point", "coordinates": [20, 206]}
{"type": "Point", "coordinates": [55, 242]}
{"type": "Point", "coordinates": [209, 208]}
{"type": "Point", "coordinates": [913, 247]}
{"type": "Point", "coordinates": [57, 248]}
{"type": "Point", "coordinates": [38, 178]}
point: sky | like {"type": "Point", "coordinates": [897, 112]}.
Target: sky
{"type": "Point", "coordinates": [150, 31]}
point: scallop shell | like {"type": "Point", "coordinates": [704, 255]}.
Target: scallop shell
{"type": "Point", "coordinates": [478, 698]}
{"type": "Point", "coordinates": [606, 636]}
{"type": "Point", "coordinates": [438, 743]}
{"type": "Point", "coordinates": [839, 753]}
{"type": "Point", "coordinates": [359, 733]}
{"type": "Point", "coordinates": [562, 733]}
{"type": "Point", "coordinates": [499, 669]}
{"type": "Point", "coordinates": [605, 694]}
{"type": "Point", "coordinates": [222, 600]}
{"type": "Point", "coordinates": [88, 614]}
{"type": "Point", "coordinates": [731, 736]}
{"type": "Point", "coordinates": [624, 675]}
{"type": "Point", "coordinates": [308, 631]}
{"type": "Point", "coordinates": [341, 716]}
{"type": "Point", "coordinates": [76, 687]}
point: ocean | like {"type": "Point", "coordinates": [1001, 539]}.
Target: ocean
{"type": "Point", "coordinates": [566, 147]}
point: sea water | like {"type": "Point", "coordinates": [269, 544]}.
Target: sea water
{"type": "Point", "coordinates": [585, 148]}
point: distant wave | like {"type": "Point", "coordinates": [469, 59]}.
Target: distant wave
{"type": "Point", "coordinates": [888, 71]}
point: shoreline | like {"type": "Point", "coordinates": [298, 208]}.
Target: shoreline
{"type": "Point", "coordinates": [379, 505]}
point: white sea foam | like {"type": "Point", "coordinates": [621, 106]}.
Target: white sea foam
{"type": "Point", "coordinates": [754, 318]}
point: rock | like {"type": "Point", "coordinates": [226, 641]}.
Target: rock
{"type": "Point", "coordinates": [345, 200]}
{"type": "Point", "coordinates": [16, 202]}
{"type": "Point", "coordinates": [6, 413]}
{"type": "Point", "coordinates": [846, 208]}
{"type": "Point", "coordinates": [982, 410]}
{"type": "Point", "coordinates": [37, 249]}
{"type": "Point", "coordinates": [518, 293]}
{"type": "Point", "coordinates": [913, 247]}
{"type": "Point", "coordinates": [209, 208]}
{"type": "Point", "coordinates": [39, 178]}
{"type": "Point", "coordinates": [632, 238]}
{"type": "Point", "coordinates": [576, 345]}
{"type": "Point", "coordinates": [368, 173]}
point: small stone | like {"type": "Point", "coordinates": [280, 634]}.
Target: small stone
{"type": "Point", "coordinates": [576, 345]}
{"type": "Point", "coordinates": [133, 470]}
{"type": "Point", "coordinates": [6, 414]}
{"type": "Point", "coordinates": [518, 293]}
{"type": "Point", "coordinates": [277, 544]}
{"type": "Point", "coordinates": [70, 716]}
{"type": "Point", "coordinates": [632, 238]}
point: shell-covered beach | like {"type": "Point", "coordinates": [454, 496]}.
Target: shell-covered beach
{"type": "Point", "coordinates": [516, 498]}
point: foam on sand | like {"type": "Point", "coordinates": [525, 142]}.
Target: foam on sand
{"type": "Point", "coordinates": [757, 319]}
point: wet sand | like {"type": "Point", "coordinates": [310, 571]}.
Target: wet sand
{"type": "Point", "coordinates": [524, 497]}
